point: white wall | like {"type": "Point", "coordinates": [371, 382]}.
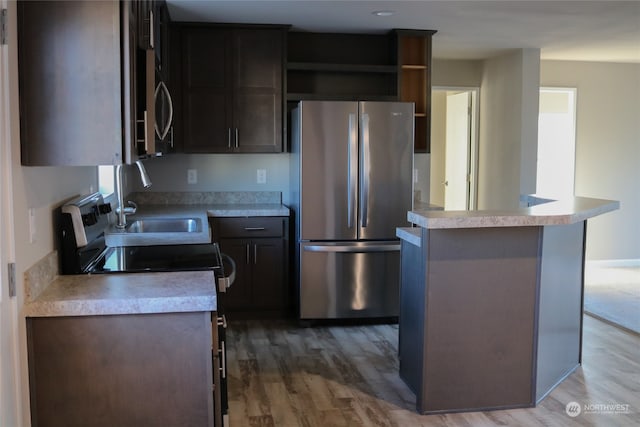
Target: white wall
{"type": "Point", "coordinates": [456, 73]}
{"type": "Point", "coordinates": [607, 149]}
{"type": "Point", "coordinates": [508, 129]}
{"type": "Point", "coordinates": [42, 189]}
{"type": "Point", "coordinates": [607, 140]}
{"type": "Point", "coordinates": [218, 172]}
{"type": "Point", "coordinates": [438, 142]}
{"type": "Point", "coordinates": [422, 165]}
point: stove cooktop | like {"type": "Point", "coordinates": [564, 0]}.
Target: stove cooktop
{"type": "Point", "coordinates": [133, 259]}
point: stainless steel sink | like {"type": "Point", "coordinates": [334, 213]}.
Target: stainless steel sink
{"type": "Point", "coordinates": [165, 225]}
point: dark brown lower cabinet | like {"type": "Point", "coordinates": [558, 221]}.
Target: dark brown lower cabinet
{"type": "Point", "coordinates": [122, 370]}
{"type": "Point", "coordinates": [259, 246]}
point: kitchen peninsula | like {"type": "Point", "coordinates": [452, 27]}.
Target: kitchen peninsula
{"type": "Point", "coordinates": [491, 303]}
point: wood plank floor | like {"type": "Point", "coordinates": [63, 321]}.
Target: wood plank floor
{"type": "Point", "coordinates": [283, 375]}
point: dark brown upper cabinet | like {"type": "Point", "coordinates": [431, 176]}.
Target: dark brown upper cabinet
{"type": "Point", "coordinates": [232, 88]}
{"type": "Point", "coordinates": [80, 77]}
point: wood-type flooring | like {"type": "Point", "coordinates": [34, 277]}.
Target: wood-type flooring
{"type": "Point", "coordinates": [283, 375]}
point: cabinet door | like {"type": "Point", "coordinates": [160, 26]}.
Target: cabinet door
{"type": "Point", "coordinates": [257, 105]}
{"type": "Point", "coordinates": [238, 296]}
{"type": "Point", "coordinates": [206, 91]}
{"type": "Point", "coordinates": [268, 274]}
{"type": "Point", "coordinates": [71, 81]}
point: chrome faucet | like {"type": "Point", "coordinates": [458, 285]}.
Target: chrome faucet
{"type": "Point", "coordinates": [121, 210]}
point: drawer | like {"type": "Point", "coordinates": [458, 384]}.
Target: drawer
{"type": "Point", "coordinates": [250, 227]}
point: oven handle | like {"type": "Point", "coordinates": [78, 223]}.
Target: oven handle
{"type": "Point", "coordinates": [225, 282]}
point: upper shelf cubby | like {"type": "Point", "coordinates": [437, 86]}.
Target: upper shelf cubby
{"type": "Point", "coordinates": [341, 66]}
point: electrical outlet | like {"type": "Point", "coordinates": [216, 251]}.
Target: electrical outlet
{"type": "Point", "coordinates": [192, 176]}
{"type": "Point", "coordinates": [261, 176]}
{"type": "Point", "coordinates": [415, 176]}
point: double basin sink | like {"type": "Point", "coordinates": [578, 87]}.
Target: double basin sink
{"type": "Point", "coordinates": [165, 225]}
{"type": "Point", "coordinates": [160, 230]}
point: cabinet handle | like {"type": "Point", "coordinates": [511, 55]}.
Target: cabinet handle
{"type": "Point", "coordinates": [223, 359]}
{"type": "Point", "coordinates": [237, 141]}
{"type": "Point", "coordinates": [162, 90]}
{"type": "Point", "coordinates": [254, 229]}
{"type": "Point", "coordinates": [151, 32]}
{"type": "Point", "coordinates": [248, 256]}
{"type": "Point", "coordinates": [171, 139]}
{"type": "Point", "coordinates": [229, 139]}
{"type": "Point", "coordinates": [255, 253]}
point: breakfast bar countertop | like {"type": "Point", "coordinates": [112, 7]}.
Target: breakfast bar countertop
{"type": "Point", "coordinates": [127, 293]}
{"type": "Point", "coordinates": [560, 212]}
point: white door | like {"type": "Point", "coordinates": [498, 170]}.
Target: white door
{"type": "Point", "coordinates": [556, 143]}
{"type": "Point", "coordinates": [458, 138]}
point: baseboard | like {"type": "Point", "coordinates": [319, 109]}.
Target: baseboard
{"type": "Point", "coordinates": [604, 263]}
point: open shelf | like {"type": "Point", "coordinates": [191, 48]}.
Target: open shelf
{"type": "Point", "coordinates": [414, 80]}
{"type": "Point", "coordinates": [374, 67]}
{"type": "Point", "coordinates": [340, 66]}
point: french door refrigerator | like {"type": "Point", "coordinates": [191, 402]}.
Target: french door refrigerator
{"type": "Point", "coordinates": [351, 186]}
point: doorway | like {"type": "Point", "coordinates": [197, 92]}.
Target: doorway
{"type": "Point", "coordinates": [555, 178]}
{"type": "Point", "coordinates": [454, 147]}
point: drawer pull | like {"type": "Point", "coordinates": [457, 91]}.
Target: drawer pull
{"type": "Point", "coordinates": [254, 229]}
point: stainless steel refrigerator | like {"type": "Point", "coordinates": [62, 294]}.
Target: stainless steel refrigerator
{"type": "Point", "coordinates": [351, 186]}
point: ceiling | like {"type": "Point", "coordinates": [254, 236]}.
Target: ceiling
{"type": "Point", "coordinates": [563, 30]}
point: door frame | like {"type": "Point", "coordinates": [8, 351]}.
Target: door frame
{"type": "Point", "coordinates": [474, 138]}
{"type": "Point", "coordinates": [11, 404]}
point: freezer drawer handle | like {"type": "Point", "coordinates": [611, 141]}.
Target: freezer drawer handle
{"type": "Point", "coordinates": [350, 248]}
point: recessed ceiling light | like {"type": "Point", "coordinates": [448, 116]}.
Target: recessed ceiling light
{"type": "Point", "coordinates": [383, 12]}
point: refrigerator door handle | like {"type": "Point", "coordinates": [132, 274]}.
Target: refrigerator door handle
{"type": "Point", "coordinates": [365, 169]}
{"type": "Point", "coordinates": [352, 159]}
{"type": "Point", "coordinates": [352, 248]}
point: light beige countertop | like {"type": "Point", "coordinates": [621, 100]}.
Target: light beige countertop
{"type": "Point", "coordinates": [133, 293]}
{"type": "Point", "coordinates": [244, 210]}
{"type": "Point", "coordinates": [412, 235]}
{"type": "Point", "coordinates": [558, 212]}
{"type": "Point", "coordinates": [118, 237]}
{"type": "Point", "coordinates": [216, 204]}
{"type": "Point", "coordinates": [212, 210]}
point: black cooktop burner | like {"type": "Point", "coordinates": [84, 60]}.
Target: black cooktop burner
{"type": "Point", "coordinates": [157, 258]}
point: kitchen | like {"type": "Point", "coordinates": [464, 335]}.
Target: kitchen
{"type": "Point", "coordinates": [38, 190]}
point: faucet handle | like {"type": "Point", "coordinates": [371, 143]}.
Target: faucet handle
{"type": "Point", "coordinates": [133, 207]}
